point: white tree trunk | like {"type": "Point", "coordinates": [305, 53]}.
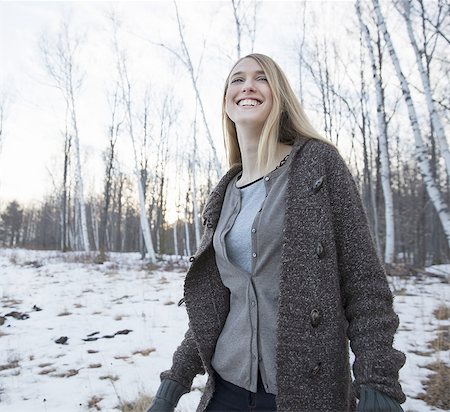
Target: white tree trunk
{"type": "Point", "coordinates": [421, 150]}
{"type": "Point", "coordinates": [435, 119]}
{"type": "Point", "coordinates": [79, 183]}
{"type": "Point", "coordinates": [175, 235]}
{"type": "Point", "coordinates": [143, 215]}
{"type": "Point", "coordinates": [186, 235]}
{"type": "Point", "coordinates": [126, 96]}
{"type": "Point", "coordinates": [188, 63]}
{"type": "Point", "coordinates": [385, 166]}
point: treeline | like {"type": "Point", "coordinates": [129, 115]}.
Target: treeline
{"type": "Point", "coordinates": [39, 227]}
{"type": "Point", "coordinates": [420, 239]}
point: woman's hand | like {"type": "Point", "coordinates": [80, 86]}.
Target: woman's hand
{"type": "Point", "coordinates": [167, 396]}
{"type": "Point", "coordinates": [374, 401]}
{"type": "Point", "coordinates": [161, 405]}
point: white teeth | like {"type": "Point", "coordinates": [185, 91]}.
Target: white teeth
{"type": "Point", "coordinates": [248, 102]}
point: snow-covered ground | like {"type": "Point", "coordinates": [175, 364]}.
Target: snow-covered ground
{"type": "Point", "coordinates": [123, 325]}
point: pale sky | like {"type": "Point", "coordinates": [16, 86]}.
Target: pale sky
{"type": "Point", "coordinates": [31, 151]}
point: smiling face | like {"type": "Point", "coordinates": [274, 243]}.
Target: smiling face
{"type": "Point", "coordinates": [248, 100]}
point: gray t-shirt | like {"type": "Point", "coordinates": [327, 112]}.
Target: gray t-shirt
{"type": "Point", "coordinates": [247, 244]}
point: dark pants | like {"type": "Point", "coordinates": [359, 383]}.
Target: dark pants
{"type": "Point", "coordinates": [228, 397]}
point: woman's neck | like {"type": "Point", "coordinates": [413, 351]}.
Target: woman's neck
{"type": "Point", "coordinates": [248, 145]}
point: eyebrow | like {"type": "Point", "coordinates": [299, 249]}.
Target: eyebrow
{"type": "Point", "coordinates": [239, 73]}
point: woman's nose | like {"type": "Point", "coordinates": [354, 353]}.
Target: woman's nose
{"type": "Point", "coordinates": [248, 86]}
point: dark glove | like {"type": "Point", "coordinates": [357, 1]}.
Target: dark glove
{"type": "Point", "coordinates": [373, 401]}
{"type": "Point", "coordinates": [167, 396]}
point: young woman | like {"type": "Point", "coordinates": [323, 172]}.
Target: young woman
{"type": "Point", "coordinates": [286, 273]}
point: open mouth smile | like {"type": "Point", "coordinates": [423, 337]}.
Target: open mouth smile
{"type": "Point", "coordinates": [249, 102]}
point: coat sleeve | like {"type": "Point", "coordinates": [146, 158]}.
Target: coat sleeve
{"type": "Point", "coordinates": [367, 299]}
{"type": "Point", "coordinates": [186, 362]}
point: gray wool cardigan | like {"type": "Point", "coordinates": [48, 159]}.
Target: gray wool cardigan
{"type": "Point", "coordinates": [333, 290]}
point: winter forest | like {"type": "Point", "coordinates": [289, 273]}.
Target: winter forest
{"type": "Point", "coordinates": [111, 140]}
{"type": "Point", "coordinates": [376, 86]}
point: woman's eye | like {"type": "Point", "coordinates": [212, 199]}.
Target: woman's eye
{"type": "Point", "coordinates": [262, 78]}
{"type": "Point", "coordinates": [236, 80]}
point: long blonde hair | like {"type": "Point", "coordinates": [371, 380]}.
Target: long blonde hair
{"type": "Point", "coordinates": [286, 121]}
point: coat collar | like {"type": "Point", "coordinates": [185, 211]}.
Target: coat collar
{"type": "Point", "coordinates": [213, 207]}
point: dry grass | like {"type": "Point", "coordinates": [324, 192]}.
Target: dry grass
{"type": "Point", "coordinates": [442, 312]}
{"type": "Point", "coordinates": [442, 340]}
{"type": "Point", "coordinates": [169, 302]}
{"type": "Point", "coordinates": [12, 363]}
{"type": "Point", "coordinates": [119, 317]}
{"type": "Point", "coordinates": [10, 303]}
{"type": "Point", "coordinates": [78, 305]}
{"type": "Point", "coordinates": [92, 351]}
{"type": "Point", "coordinates": [436, 386]}
{"type": "Point", "coordinates": [122, 357]}
{"type": "Point", "coordinates": [44, 365]}
{"type": "Point", "coordinates": [95, 365]}
{"type": "Point", "coordinates": [79, 257]}
{"type": "Point", "coordinates": [47, 371]}
{"type": "Point", "coordinates": [141, 404]}
{"type": "Point", "coordinates": [68, 374]}
{"type": "Point", "coordinates": [65, 313]}
{"type": "Point", "coordinates": [112, 378]}
{"type": "Point", "coordinates": [3, 334]}
{"type": "Point", "coordinates": [144, 352]}
{"type": "Point", "coordinates": [116, 300]}
{"type": "Point", "coordinates": [94, 401]}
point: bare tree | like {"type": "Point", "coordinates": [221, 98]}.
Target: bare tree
{"type": "Point", "coordinates": [126, 96]}
{"type": "Point", "coordinates": [404, 9]}
{"type": "Point", "coordinates": [61, 66]}
{"type": "Point", "coordinates": [185, 58]}
{"type": "Point", "coordinates": [382, 139]}
{"type": "Point", "coordinates": [114, 131]}
{"type": "Point", "coordinates": [421, 150]}
{"type": "Point", "coordinates": [244, 14]}
{"type": "Point", "coordinates": [64, 197]}
{"type": "Point", "coordinates": [3, 102]}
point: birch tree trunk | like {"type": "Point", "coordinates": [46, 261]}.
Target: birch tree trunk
{"type": "Point", "coordinates": [194, 205]}
{"type": "Point", "coordinates": [187, 61]}
{"type": "Point", "coordinates": [64, 200]}
{"type": "Point", "coordinates": [79, 181]}
{"type": "Point", "coordinates": [382, 132]}
{"type": "Point", "coordinates": [421, 151]}
{"type": "Point", "coordinates": [114, 130]}
{"type": "Point", "coordinates": [434, 116]}
{"type": "Point", "coordinates": [61, 66]}
{"type": "Point", "coordinates": [2, 118]}
{"type": "Point", "coordinates": [125, 87]}
{"type": "Point", "coordinates": [238, 24]}
{"type": "Point", "coordinates": [187, 238]}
